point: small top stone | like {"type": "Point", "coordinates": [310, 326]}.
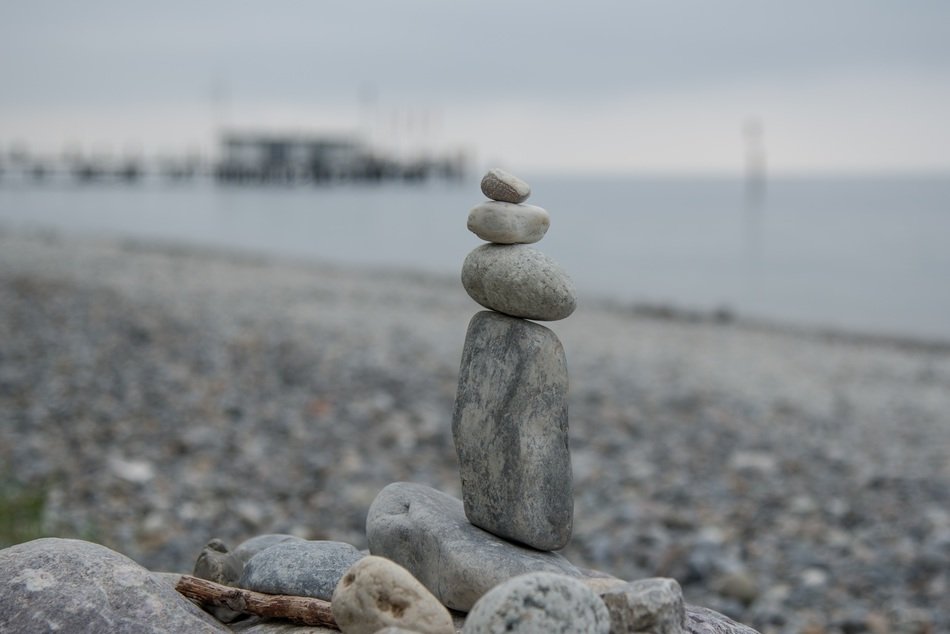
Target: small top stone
{"type": "Point", "coordinates": [499, 185]}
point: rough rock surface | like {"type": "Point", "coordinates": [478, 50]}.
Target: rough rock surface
{"type": "Point", "coordinates": [518, 280]}
{"type": "Point", "coordinates": [647, 605]}
{"type": "Point", "coordinates": [499, 185]}
{"type": "Point", "coordinates": [507, 223]}
{"type": "Point", "coordinates": [426, 532]}
{"type": "Point", "coordinates": [511, 431]}
{"type": "Point", "coordinates": [76, 586]}
{"type": "Point", "coordinates": [539, 603]}
{"type": "Point", "coordinates": [300, 568]}
{"type": "Point", "coordinates": [377, 592]}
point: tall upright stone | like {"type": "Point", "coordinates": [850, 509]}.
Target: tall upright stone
{"type": "Point", "coordinates": [511, 431]}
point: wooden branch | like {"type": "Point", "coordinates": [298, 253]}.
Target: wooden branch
{"type": "Point", "coordinates": [300, 610]}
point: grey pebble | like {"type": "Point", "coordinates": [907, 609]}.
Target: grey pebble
{"type": "Point", "coordinates": [216, 563]}
{"type": "Point", "coordinates": [511, 431]}
{"type": "Point", "coordinates": [426, 532]}
{"type": "Point", "coordinates": [498, 184]}
{"type": "Point", "coordinates": [518, 280]}
{"type": "Point", "coordinates": [539, 603]}
{"type": "Point", "coordinates": [647, 605]}
{"type": "Point", "coordinates": [300, 568]}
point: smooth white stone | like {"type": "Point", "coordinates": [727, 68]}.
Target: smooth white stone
{"type": "Point", "coordinates": [508, 223]}
{"type": "Point", "coordinates": [376, 593]}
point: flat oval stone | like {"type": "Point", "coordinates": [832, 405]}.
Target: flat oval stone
{"type": "Point", "coordinates": [376, 593]}
{"type": "Point", "coordinates": [498, 184]}
{"type": "Point", "coordinates": [508, 223]}
{"type": "Point", "coordinates": [299, 567]}
{"type": "Point", "coordinates": [518, 280]}
{"type": "Point", "coordinates": [539, 603]}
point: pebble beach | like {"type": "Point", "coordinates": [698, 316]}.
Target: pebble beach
{"type": "Point", "coordinates": [158, 395]}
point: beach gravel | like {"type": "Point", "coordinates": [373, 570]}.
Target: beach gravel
{"type": "Point", "coordinates": [157, 396]}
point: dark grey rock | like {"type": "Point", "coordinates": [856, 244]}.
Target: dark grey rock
{"type": "Point", "coordinates": [216, 563]}
{"type": "Point", "coordinates": [510, 429]}
{"type": "Point", "coordinates": [518, 280]}
{"type": "Point", "coordinates": [250, 547]}
{"type": "Point", "coordinates": [706, 621]}
{"type": "Point", "coordinates": [539, 603]}
{"type": "Point", "coordinates": [646, 605]}
{"type": "Point", "coordinates": [498, 184]}
{"type": "Point", "coordinates": [425, 531]}
{"type": "Point", "coordinates": [76, 586]}
{"type": "Point", "coordinates": [300, 568]}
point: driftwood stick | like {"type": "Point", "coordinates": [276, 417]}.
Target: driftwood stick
{"type": "Point", "coordinates": [300, 610]}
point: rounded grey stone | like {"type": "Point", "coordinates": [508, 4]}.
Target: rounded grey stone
{"type": "Point", "coordinates": [499, 185]}
{"type": "Point", "coordinates": [510, 429]}
{"type": "Point", "coordinates": [426, 532]}
{"type": "Point", "coordinates": [518, 280]}
{"type": "Point", "coordinates": [69, 585]}
{"type": "Point", "coordinates": [508, 223]}
{"type": "Point", "coordinates": [300, 568]}
{"type": "Point", "coordinates": [539, 603]}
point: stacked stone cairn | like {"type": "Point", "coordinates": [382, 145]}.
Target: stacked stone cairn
{"type": "Point", "coordinates": [489, 554]}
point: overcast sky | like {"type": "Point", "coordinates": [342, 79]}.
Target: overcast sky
{"type": "Point", "coordinates": [595, 85]}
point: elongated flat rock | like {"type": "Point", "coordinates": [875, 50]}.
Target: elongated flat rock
{"type": "Point", "coordinates": [498, 184]}
{"type": "Point", "coordinates": [425, 531]}
{"type": "Point", "coordinates": [507, 223]}
{"type": "Point", "coordinates": [518, 280]}
{"type": "Point", "coordinates": [300, 568]}
{"type": "Point", "coordinates": [511, 431]}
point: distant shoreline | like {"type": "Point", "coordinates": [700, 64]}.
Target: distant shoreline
{"type": "Point", "coordinates": [655, 311]}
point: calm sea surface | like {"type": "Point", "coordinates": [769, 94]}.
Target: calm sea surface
{"type": "Point", "coordinates": [863, 254]}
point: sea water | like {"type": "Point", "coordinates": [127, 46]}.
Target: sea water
{"type": "Point", "coordinates": [866, 254]}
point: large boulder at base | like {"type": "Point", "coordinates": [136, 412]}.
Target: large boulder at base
{"type": "Point", "coordinates": [510, 431]}
{"type": "Point", "coordinates": [426, 532]}
{"type": "Point", "coordinates": [76, 586]}
{"type": "Point", "coordinates": [539, 603]}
